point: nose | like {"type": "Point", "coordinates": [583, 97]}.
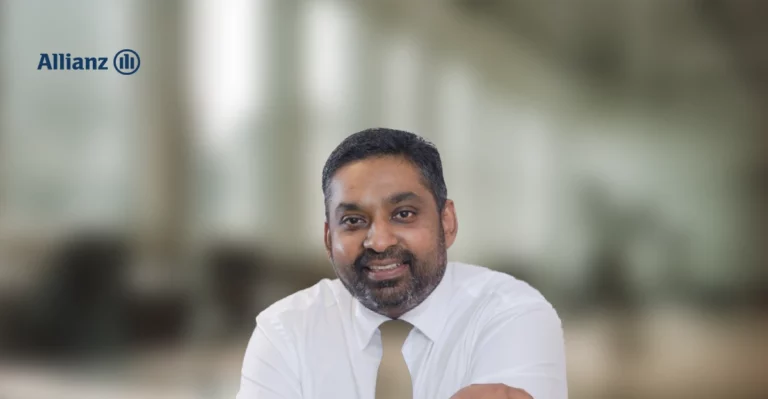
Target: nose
{"type": "Point", "coordinates": [380, 237]}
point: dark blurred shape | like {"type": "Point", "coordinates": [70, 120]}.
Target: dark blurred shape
{"type": "Point", "coordinates": [608, 274]}
{"type": "Point", "coordinates": [611, 291]}
{"type": "Point", "coordinates": [234, 272]}
{"type": "Point", "coordinates": [78, 310]}
{"type": "Point", "coordinates": [742, 28]}
{"type": "Point", "coordinates": [156, 320]}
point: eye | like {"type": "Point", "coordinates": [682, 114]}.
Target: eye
{"type": "Point", "coordinates": [405, 215]}
{"type": "Point", "coordinates": [352, 221]}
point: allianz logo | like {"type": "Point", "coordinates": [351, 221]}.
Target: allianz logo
{"type": "Point", "coordinates": [125, 62]}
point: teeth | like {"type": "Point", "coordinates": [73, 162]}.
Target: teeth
{"type": "Point", "coordinates": [387, 267]}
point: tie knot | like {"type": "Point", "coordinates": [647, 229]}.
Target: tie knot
{"type": "Point", "coordinates": [395, 332]}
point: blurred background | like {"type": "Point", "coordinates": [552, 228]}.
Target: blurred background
{"type": "Point", "coordinates": [611, 153]}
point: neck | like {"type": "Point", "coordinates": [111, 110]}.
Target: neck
{"type": "Point", "coordinates": [393, 314]}
{"type": "Point", "coordinates": [396, 312]}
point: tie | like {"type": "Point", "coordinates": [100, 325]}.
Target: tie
{"type": "Point", "coordinates": [393, 380]}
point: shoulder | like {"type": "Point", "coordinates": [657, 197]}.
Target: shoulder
{"type": "Point", "coordinates": [496, 291]}
{"type": "Point", "coordinates": [295, 310]}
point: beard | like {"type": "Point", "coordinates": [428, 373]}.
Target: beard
{"type": "Point", "coordinates": [401, 294]}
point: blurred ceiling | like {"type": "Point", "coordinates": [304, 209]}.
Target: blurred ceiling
{"type": "Point", "coordinates": [740, 24]}
{"type": "Point", "coordinates": [660, 49]}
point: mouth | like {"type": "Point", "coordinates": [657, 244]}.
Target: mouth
{"type": "Point", "coordinates": [386, 271]}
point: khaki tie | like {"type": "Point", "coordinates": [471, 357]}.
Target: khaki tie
{"type": "Point", "coordinates": [393, 380]}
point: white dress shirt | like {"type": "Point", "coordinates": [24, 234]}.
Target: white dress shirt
{"type": "Point", "coordinates": [478, 326]}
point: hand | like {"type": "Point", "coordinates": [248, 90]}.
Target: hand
{"type": "Point", "coordinates": [491, 391]}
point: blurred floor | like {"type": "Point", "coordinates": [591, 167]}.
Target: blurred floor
{"type": "Point", "coordinates": [679, 354]}
{"type": "Point", "coordinates": [668, 353]}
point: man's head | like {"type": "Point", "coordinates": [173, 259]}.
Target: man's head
{"type": "Point", "coordinates": [388, 221]}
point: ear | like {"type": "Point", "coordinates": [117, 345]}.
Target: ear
{"type": "Point", "coordinates": [450, 223]}
{"type": "Point", "coordinates": [327, 239]}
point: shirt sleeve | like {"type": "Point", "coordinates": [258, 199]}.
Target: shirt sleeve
{"type": "Point", "coordinates": [523, 350]}
{"type": "Point", "coordinates": [270, 368]}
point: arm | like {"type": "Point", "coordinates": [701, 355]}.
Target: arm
{"type": "Point", "coordinates": [524, 352]}
{"type": "Point", "coordinates": [490, 391]}
{"type": "Point", "coordinates": [270, 369]}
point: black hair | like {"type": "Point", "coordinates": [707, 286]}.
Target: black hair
{"type": "Point", "coordinates": [377, 142]}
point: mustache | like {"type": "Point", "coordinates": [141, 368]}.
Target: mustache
{"type": "Point", "coordinates": [400, 254]}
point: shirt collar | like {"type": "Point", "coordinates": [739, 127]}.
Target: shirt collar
{"type": "Point", "coordinates": [428, 317]}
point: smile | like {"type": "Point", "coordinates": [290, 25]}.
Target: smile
{"type": "Point", "coordinates": [386, 272]}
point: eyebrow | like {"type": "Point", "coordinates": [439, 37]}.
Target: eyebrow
{"type": "Point", "coordinates": [347, 206]}
{"type": "Point", "coordinates": [404, 196]}
{"type": "Point", "coordinates": [392, 199]}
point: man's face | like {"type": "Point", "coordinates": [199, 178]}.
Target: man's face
{"type": "Point", "coordinates": [384, 234]}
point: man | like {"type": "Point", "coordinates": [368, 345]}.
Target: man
{"type": "Point", "coordinates": [474, 333]}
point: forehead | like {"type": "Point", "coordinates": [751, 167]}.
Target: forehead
{"type": "Point", "coordinates": [373, 179]}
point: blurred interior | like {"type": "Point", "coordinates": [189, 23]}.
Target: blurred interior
{"type": "Point", "coordinates": [611, 153]}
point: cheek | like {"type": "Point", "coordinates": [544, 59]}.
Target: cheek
{"type": "Point", "coordinates": [345, 247]}
{"type": "Point", "coordinates": [420, 240]}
